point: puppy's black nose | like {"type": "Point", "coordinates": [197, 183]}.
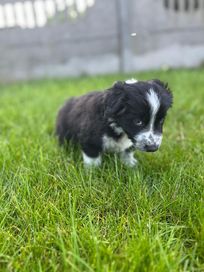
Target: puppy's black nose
{"type": "Point", "coordinates": [151, 148]}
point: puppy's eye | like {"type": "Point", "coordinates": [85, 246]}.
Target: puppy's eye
{"type": "Point", "coordinates": [138, 123]}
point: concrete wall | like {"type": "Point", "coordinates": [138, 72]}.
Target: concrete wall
{"type": "Point", "coordinates": [70, 47]}
{"type": "Point", "coordinates": [165, 36]}
{"type": "Point", "coordinates": [100, 40]}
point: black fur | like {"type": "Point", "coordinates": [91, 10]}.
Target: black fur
{"type": "Point", "coordinates": [86, 119]}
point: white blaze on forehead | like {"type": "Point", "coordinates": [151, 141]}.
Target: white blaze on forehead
{"type": "Point", "coordinates": [154, 103]}
{"type": "Point", "coordinates": [153, 100]}
{"type": "Point", "coordinates": [131, 81]}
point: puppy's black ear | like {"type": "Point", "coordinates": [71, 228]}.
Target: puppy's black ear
{"type": "Point", "coordinates": [166, 92]}
{"type": "Point", "coordinates": [115, 102]}
{"type": "Point", "coordinates": [160, 83]}
{"type": "Point", "coordinates": [118, 85]}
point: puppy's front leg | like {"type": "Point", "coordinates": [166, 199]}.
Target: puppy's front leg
{"type": "Point", "coordinates": [127, 157]}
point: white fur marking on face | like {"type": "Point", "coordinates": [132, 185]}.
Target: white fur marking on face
{"type": "Point", "coordinates": [116, 146]}
{"type": "Point", "coordinates": [88, 161]}
{"type": "Point", "coordinates": [131, 81]}
{"type": "Point", "coordinates": [149, 137]}
{"type": "Point", "coordinates": [154, 103]}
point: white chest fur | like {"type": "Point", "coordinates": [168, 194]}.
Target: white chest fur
{"type": "Point", "coordinates": [109, 144]}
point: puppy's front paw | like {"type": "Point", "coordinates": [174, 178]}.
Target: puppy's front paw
{"type": "Point", "coordinates": [132, 162]}
{"type": "Point", "coordinates": [128, 159]}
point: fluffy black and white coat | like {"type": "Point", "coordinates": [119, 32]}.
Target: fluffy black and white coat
{"type": "Point", "coordinates": [125, 117]}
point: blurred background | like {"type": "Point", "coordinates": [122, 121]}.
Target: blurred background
{"type": "Point", "coordinates": [58, 38]}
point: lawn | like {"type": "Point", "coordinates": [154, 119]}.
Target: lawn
{"type": "Point", "coordinates": [56, 216]}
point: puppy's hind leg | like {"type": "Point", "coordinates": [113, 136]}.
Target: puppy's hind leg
{"type": "Point", "coordinates": [91, 156]}
{"type": "Point", "coordinates": [89, 161]}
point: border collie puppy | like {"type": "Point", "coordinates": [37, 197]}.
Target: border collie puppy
{"type": "Point", "coordinates": [125, 117]}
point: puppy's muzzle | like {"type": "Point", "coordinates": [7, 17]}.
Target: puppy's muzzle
{"type": "Point", "coordinates": [151, 148]}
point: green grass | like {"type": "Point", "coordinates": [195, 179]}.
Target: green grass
{"type": "Point", "coordinates": [56, 216]}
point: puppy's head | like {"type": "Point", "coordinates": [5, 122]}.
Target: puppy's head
{"type": "Point", "coordinates": [139, 109]}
